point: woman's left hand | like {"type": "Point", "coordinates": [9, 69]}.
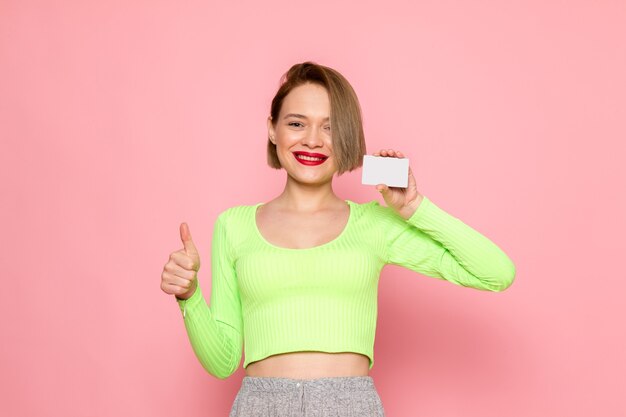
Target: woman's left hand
{"type": "Point", "coordinates": [403, 200]}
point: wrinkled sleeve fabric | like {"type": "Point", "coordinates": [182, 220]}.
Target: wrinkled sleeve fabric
{"type": "Point", "coordinates": [435, 243]}
{"type": "Point", "coordinates": [216, 332]}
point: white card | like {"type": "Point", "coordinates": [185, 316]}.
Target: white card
{"type": "Point", "coordinates": [389, 170]}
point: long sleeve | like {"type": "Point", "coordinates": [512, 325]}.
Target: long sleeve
{"type": "Point", "coordinates": [437, 244]}
{"type": "Point", "coordinates": [216, 332]}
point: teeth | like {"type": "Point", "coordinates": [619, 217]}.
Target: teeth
{"type": "Point", "coordinates": [310, 158]}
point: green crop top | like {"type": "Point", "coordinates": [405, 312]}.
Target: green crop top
{"type": "Point", "coordinates": [274, 300]}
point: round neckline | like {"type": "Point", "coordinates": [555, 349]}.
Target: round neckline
{"type": "Point", "coordinates": [266, 242]}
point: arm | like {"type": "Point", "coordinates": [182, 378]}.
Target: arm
{"type": "Point", "coordinates": [216, 332]}
{"type": "Point", "coordinates": [437, 244]}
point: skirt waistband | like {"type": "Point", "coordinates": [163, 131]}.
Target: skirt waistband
{"type": "Point", "coordinates": [343, 383]}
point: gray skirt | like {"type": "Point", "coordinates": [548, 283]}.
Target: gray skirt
{"type": "Point", "coordinates": [346, 396]}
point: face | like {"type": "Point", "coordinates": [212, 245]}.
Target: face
{"type": "Point", "coordinates": [303, 127]}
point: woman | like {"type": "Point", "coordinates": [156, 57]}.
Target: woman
{"type": "Point", "coordinates": [296, 278]}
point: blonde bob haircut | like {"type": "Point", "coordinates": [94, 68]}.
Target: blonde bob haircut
{"type": "Point", "coordinates": [348, 140]}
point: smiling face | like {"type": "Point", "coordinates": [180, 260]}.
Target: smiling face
{"type": "Point", "coordinates": [303, 127]}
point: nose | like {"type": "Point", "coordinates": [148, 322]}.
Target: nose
{"type": "Point", "coordinates": [313, 136]}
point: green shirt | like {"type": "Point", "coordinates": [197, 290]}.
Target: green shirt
{"type": "Point", "coordinates": [271, 300]}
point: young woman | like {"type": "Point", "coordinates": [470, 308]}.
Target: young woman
{"type": "Point", "coordinates": [294, 280]}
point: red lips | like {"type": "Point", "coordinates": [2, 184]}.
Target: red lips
{"type": "Point", "coordinates": [317, 155]}
{"type": "Point", "coordinates": [313, 154]}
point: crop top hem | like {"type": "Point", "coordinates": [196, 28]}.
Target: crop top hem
{"type": "Point", "coordinates": [313, 348]}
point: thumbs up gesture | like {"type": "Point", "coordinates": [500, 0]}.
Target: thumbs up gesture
{"type": "Point", "coordinates": [180, 273]}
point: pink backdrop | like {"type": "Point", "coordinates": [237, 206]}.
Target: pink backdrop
{"type": "Point", "coordinates": [121, 119]}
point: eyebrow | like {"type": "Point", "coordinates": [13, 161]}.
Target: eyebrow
{"type": "Point", "coordinates": [300, 116]}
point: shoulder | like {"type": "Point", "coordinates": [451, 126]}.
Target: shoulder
{"type": "Point", "coordinates": [366, 205]}
{"type": "Point", "coordinates": [235, 214]}
{"type": "Point", "coordinates": [235, 225]}
{"type": "Point", "coordinates": [382, 218]}
{"type": "Point", "coordinates": [377, 214]}
{"type": "Point", "coordinates": [374, 209]}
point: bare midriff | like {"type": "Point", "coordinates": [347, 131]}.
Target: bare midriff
{"type": "Point", "coordinates": [310, 364]}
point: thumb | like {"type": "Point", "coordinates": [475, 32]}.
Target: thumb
{"type": "Point", "coordinates": [185, 236]}
{"type": "Point", "coordinates": [382, 188]}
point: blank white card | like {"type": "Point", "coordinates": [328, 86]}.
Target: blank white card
{"type": "Point", "coordinates": [389, 170]}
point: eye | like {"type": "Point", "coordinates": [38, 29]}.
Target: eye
{"type": "Point", "coordinates": [295, 123]}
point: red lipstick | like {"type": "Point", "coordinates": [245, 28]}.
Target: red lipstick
{"type": "Point", "coordinates": [310, 162]}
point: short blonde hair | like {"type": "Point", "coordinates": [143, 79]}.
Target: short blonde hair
{"type": "Point", "coordinates": [348, 140]}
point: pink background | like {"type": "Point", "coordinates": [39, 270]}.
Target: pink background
{"type": "Point", "coordinates": [121, 119]}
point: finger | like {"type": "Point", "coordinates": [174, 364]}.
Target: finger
{"type": "Point", "coordinates": [173, 289]}
{"type": "Point", "coordinates": [183, 260]}
{"type": "Point", "coordinates": [185, 236]}
{"type": "Point", "coordinates": [174, 268]}
{"type": "Point", "coordinates": [172, 279]}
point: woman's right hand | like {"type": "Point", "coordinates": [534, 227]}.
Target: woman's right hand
{"type": "Point", "coordinates": [180, 273]}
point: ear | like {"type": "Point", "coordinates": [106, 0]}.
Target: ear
{"type": "Point", "coordinates": [270, 130]}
